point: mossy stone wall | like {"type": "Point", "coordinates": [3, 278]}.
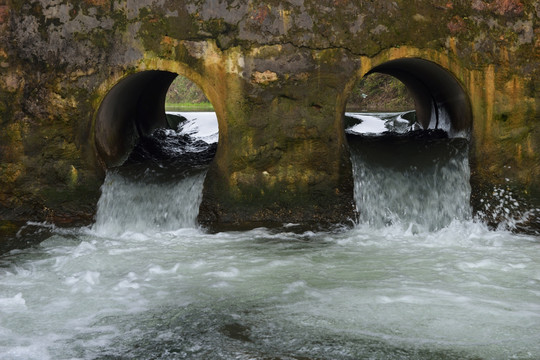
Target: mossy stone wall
{"type": "Point", "coordinates": [278, 74]}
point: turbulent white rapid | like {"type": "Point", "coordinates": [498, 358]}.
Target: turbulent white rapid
{"type": "Point", "coordinates": [138, 206]}
{"type": "Point", "coordinates": [417, 278]}
{"type": "Point", "coordinates": [424, 186]}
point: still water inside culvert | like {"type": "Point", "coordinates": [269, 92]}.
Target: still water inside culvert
{"type": "Point", "coordinates": [415, 278]}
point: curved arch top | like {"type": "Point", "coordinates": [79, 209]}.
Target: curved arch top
{"type": "Point", "coordinates": [441, 102]}
{"type": "Point", "coordinates": [132, 108]}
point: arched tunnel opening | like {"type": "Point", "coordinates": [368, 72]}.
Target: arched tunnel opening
{"type": "Point", "coordinates": [132, 125]}
{"type": "Point", "coordinates": [380, 103]}
{"type": "Point", "coordinates": [408, 163]}
{"type": "Point", "coordinates": [132, 109]}
{"type": "Point", "coordinates": [156, 160]}
{"type": "Point", "coordinates": [438, 99]}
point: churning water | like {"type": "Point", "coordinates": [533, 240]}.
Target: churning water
{"type": "Point", "coordinates": [417, 278]}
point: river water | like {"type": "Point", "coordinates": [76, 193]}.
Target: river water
{"type": "Point", "coordinates": [416, 278]}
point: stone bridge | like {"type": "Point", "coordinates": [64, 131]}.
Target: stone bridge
{"type": "Point", "coordinates": [82, 80]}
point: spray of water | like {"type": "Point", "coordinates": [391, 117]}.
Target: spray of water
{"type": "Point", "coordinates": [422, 185]}
{"type": "Point", "coordinates": [136, 206]}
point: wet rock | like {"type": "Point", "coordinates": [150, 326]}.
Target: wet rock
{"type": "Point", "coordinates": [175, 121]}
{"type": "Point", "coordinates": [236, 331]}
{"type": "Point", "coordinates": [350, 121]}
{"type": "Point", "coordinates": [17, 235]}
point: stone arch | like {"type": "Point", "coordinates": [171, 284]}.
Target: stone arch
{"type": "Point", "coordinates": [134, 107]}
{"type": "Point", "coordinates": [441, 101]}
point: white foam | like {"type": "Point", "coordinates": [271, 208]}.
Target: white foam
{"type": "Point", "coordinates": [131, 209]}
{"type": "Point", "coordinates": [15, 303]}
{"type": "Point", "coordinates": [369, 125]}
{"type": "Point", "coordinates": [201, 125]}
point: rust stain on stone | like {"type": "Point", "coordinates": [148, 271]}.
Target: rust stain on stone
{"type": "Point", "coordinates": [504, 7]}
{"type": "Point", "coordinates": [456, 25]}
{"type": "Point", "coordinates": [489, 97]}
{"type": "Point", "coordinates": [519, 154]}
{"type": "Point", "coordinates": [500, 7]}
{"type": "Point", "coordinates": [101, 3]}
{"type": "Point", "coordinates": [514, 89]}
{"type": "Point", "coordinates": [4, 13]}
{"type": "Point", "coordinates": [260, 14]}
{"type": "Point", "coordinates": [169, 41]}
{"type": "Point", "coordinates": [452, 43]}
{"type": "Point", "coordinates": [530, 148]}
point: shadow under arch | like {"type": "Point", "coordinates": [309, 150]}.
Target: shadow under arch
{"type": "Point", "coordinates": [440, 100]}
{"type": "Point", "coordinates": [133, 108]}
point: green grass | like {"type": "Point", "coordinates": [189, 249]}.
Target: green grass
{"type": "Point", "coordinates": [186, 106]}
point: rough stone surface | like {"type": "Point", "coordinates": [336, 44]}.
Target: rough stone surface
{"type": "Point", "coordinates": [278, 74]}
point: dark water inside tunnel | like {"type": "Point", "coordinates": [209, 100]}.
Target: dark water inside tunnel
{"type": "Point", "coordinates": [416, 278]}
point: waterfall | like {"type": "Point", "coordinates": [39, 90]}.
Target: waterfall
{"type": "Point", "coordinates": [140, 207]}
{"type": "Point", "coordinates": [160, 186]}
{"type": "Point", "coordinates": [419, 179]}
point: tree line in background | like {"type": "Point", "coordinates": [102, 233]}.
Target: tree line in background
{"type": "Point", "coordinates": [376, 92]}
{"type": "Point", "coordinates": [379, 92]}
{"type": "Point", "coordinates": [185, 93]}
